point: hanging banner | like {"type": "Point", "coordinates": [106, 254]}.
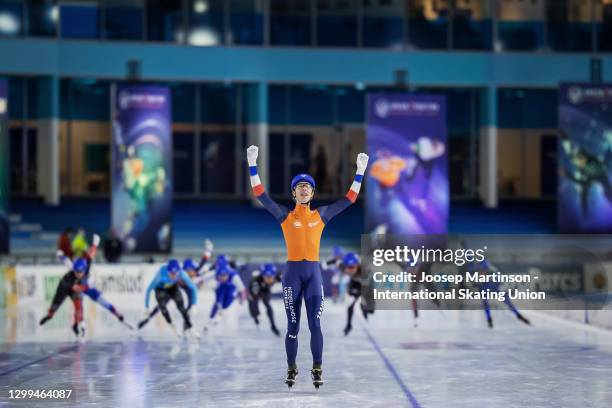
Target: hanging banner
{"type": "Point", "coordinates": [142, 167]}
{"type": "Point", "coordinates": [4, 169]}
{"type": "Point", "coordinates": [584, 203]}
{"type": "Point", "coordinates": [407, 188]}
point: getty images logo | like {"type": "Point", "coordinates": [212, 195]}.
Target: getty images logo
{"type": "Point", "coordinates": [382, 107]}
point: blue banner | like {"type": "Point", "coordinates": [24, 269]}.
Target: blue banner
{"type": "Point", "coordinates": [584, 202]}
{"type": "Point", "coordinates": [142, 168]}
{"type": "Point", "coordinates": [4, 169]}
{"type": "Point", "coordinates": [407, 186]}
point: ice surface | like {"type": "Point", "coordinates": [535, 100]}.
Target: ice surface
{"type": "Point", "coordinates": [450, 360]}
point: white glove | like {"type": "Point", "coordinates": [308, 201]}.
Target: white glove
{"type": "Point", "coordinates": [59, 253]}
{"type": "Point", "coordinates": [362, 163]}
{"type": "Point", "coordinates": [96, 240]}
{"type": "Point", "coordinates": [252, 153]}
{"type": "Point", "coordinates": [208, 248]}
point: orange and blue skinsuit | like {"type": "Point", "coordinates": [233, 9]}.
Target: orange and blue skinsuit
{"type": "Point", "coordinates": [302, 228]}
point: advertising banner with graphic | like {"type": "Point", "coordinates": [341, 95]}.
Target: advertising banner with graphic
{"type": "Point", "coordinates": [4, 169]}
{"type": "Point", "coordinates": [407, 187]}
{"type": "Point", "coordinates": [584, 202]}
{"type": "Point", "coordinates": [142, 167]}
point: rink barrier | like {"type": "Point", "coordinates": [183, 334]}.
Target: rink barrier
{"type": "Point", "coordinates": [121, 284]}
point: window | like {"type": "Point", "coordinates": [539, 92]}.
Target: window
{"type": "Point", "coordinates": [337, 23]}
{"type": "Point", "coordinates": [383, 23]}
{"type": "Point", "coordinates": [11, 18]}
{"type": "Point", "coordinates": [290, 22]}
{"type": "Point", "coordinates": [246, 21]}
{"type": "Point", "coordinates": [569, 25]}
{"type": "Point", "coordinates": [165, 20]}
{"type": "Point", "coordinates": [206, 22]}
{"type": "Point", "coordinates": [42, 18]}
{"type": "Point", "coordinates": [123, 19]}
{"type": "Point", "coordinates": [520, 25]}
{"type": "Point", "coordinates": [472, 27]}
{"type": "Point", "coordinates": [428, 23]}
{"type": "Point", "coordinates": [80, 19]}
{"type": "Point", "coordinates": [603, 24]}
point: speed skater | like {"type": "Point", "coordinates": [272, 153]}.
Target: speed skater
{"type": "Point", "coordinates": [302, 229]}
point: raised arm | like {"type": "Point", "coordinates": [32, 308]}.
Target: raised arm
{"type": "Point", "coordinates": [328, 212]}
{"type": "Point", "coordinates": [90, 255]}
{"type": "Point", "coordinates": [278, 211]}
{"type": "Point", "coordinates": [208, 249]}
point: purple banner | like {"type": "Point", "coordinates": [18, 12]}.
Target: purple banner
{"type": "Point", "coordinates": [4, 169]}
{"type": "Point", "coordinates": [407, 187]}
{"type": "Point", "coordinates": [584, 202]}
{"type": "Point", "coordinates": [142, 168]}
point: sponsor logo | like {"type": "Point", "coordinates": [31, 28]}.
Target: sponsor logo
{"type": "Point", "coordinates": [297, 224]}
{"type": "Point", "coordinates": [128, 100]}
{"type": "Point", "coordinates": [322, 305]}
{"type": "Point", "coordinates": [313, 224]}
{"type": "Point", "coordinates": [288, 298]}
{"type": "Point", "coordinates": [382, 108]}
{"type": "Point", "coordinates": [385, 108]}
{"type": "Point", "coordinates": [26, 286]}
{"type": "Point", "coordinates": [124, 282]}
{"type": "Point", "coordinates": [292, 336]}
{"type": "Point", "coordinates": [574, 94]}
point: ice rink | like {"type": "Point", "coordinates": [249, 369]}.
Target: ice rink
{"type": "Point", "coordinates": [450, 360]}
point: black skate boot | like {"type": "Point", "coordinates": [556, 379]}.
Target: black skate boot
{"type": "Point", "coordinates": [490, 323]}
{"type": "Point", "coordinates": [347, 329]}
{"type": "Point", "coordinates": [44, 320]}
{"type": "Point", "coordinates": [317, 377]}
{"type": "Point", "coordinates": [142, 323]}
{"type": "Point", "coordinates": [275, 330]}
{"type": "Point", "coordinates": [523, 319]}
{"type": "Point", "coordinates": [292, 373]}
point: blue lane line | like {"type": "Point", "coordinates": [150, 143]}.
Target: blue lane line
{"type": "Point", "coordinates": [393, 371]}
{"type": "Point", "coordinates": [62, 351]}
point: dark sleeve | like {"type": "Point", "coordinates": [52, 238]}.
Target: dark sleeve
{"type": "Point", "coordinates": [279, 212]}
{"type": "Point", "coordinates": [327, 212]}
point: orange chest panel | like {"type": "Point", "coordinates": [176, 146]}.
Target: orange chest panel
{"type": "Point", "coordinates": [302, 230]}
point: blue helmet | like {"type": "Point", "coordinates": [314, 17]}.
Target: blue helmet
{"type": "Point", "coordinates": [221, 261]}
{"type": "Point", "coordinates": [80, 265]}
{"type": "Point", "coordinates": [350, 259]}
{"type": "Point", "coordinates": [173, 266]}
{"type": "Point", "coordinates": [223, 270]}
{"type": "Point", "coordinates": [268, 270]}
{"type": "Point", "coordinates": [189, 264]}
{"type": "Point", "coordinates": [303, 178]}
{"type": "Point", "coordinates": [338, 252]}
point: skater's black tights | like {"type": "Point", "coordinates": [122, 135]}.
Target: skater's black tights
{"type": "Point", "coordinates": [254, 308]}
{"type": "Point", "coordinates": [351, 308]}
{"type": "Point", "coordinates": [163, 296]}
